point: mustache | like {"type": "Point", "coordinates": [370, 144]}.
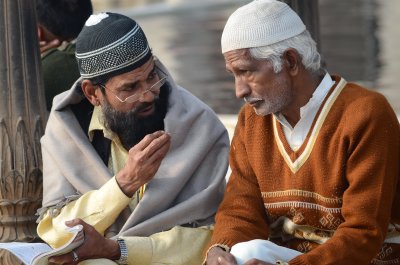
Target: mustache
{"type": "Point", "coordinates": [142, 106]}
{"type": "Point", "coordinates": [250, 99]}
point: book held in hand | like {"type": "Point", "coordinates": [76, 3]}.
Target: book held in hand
{"type": "Point", "coordinates": [39, 253]}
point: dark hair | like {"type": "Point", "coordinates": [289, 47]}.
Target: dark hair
{"type": "Point", "coordinates": [100, 82]}
{"type": "Point", "coordinates": [63, 18]}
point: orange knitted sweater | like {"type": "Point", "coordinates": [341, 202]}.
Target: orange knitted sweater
{"type": "Point", "coordinates": [335, 198]}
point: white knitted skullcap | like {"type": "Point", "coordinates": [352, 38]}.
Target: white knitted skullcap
{"type": "Point", "coordinates": [260, 23]}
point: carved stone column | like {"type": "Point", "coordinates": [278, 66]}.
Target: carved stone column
{"type": "Point", "coordinates": [22, 119]}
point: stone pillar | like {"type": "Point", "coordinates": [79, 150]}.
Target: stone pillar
{"type": "Point", "coordinates": [22, 120]}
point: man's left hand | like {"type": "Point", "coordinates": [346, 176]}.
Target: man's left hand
{"type": "Point", "coordinates": [95, 246]}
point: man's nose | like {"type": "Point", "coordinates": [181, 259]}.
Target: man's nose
{"type": "Point", "coordinates": [242, 89]}
{"type": "Point", "coordinates": [147, 96]}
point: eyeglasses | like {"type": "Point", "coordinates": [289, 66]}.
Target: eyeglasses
{"type": "Point", "coordinates": [135, 97]}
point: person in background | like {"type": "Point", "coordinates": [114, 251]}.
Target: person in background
{"type": "Point", "coordinates": [315, 159]}
{"type": "Point", "coordinates": [130, 155]}
{"type": "Point", "coordinates": [58, 24]}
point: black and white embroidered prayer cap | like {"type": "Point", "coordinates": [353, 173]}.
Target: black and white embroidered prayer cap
{"type": "Point", "coordinates": [110, 44]}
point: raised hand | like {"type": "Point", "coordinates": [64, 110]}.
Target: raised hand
{"type": "Point", "coordinates": [143, 162]}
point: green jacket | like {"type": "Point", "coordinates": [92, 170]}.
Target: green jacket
{"type": "Point", "coordinates": [60, 71]}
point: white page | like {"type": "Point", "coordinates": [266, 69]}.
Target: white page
{"type": "Point", "coordinates": [26, 251]}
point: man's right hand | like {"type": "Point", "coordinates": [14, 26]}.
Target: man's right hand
{"type": "Point", "coordinates": [217, 256]}
{"type": "Point", "coordinates": [143, 162]}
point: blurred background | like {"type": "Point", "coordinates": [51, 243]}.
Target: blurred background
{"type": "Point", "coordinates": [359, 39]}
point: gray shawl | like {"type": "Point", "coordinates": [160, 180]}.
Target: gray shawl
{"type": "Point", "coordinates": [187, 188]}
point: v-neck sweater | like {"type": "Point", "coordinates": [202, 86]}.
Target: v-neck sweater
{"type": "Point", "coordinates": [334, 198]}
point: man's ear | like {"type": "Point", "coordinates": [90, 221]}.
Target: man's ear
{"type": "Point", "coordinates": [92, 93]}
{"type": "Point", "coordinates": [292, 61]}
{"type": "Point", "coordinates": [41, 33]}
{"type": "Point", "coordinates": [44, 35]}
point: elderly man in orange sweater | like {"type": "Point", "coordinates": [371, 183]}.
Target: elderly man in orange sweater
{"type": "Point", "coordinates": [314, 159]}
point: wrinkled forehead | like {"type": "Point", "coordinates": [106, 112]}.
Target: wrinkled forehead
{"type": "Point", "coordinates": [138, 74]}
{"type": "Point", "coordinates": [238, 57]}
{"type": "Point", "coordinates": [144, 70]}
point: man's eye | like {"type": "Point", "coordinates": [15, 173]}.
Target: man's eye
{"type": "Point", "coordinates": [151, 76]}
{"type": "Point", "coordinates": [129, 88]}
{"type": "Point", "coordinates": [245, 72]}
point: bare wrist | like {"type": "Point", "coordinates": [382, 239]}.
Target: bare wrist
{"type": "Point", "coordinates": [125, 185]}
{"type": "Point", "coordinates": [113, 250]}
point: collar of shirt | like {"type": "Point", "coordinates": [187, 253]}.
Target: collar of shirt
{"type": "Point", "coordinates": [96, 123]}
{"type": "Point", "coordinates": [296, 136]}
{"type": "Point", "coordinates": [119, 154]}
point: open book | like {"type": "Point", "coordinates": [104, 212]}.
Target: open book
{"type": "Point", "coordinates": [39, 253]}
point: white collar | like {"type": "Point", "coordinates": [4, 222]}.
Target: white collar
{"type": "Point", "coordinates": [313, 104]}
{"type": "Point", "coordinates": [296, 136]}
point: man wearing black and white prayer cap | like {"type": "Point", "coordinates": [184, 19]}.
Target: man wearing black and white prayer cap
{"type": "Point", "coordinates": [130, 155]}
